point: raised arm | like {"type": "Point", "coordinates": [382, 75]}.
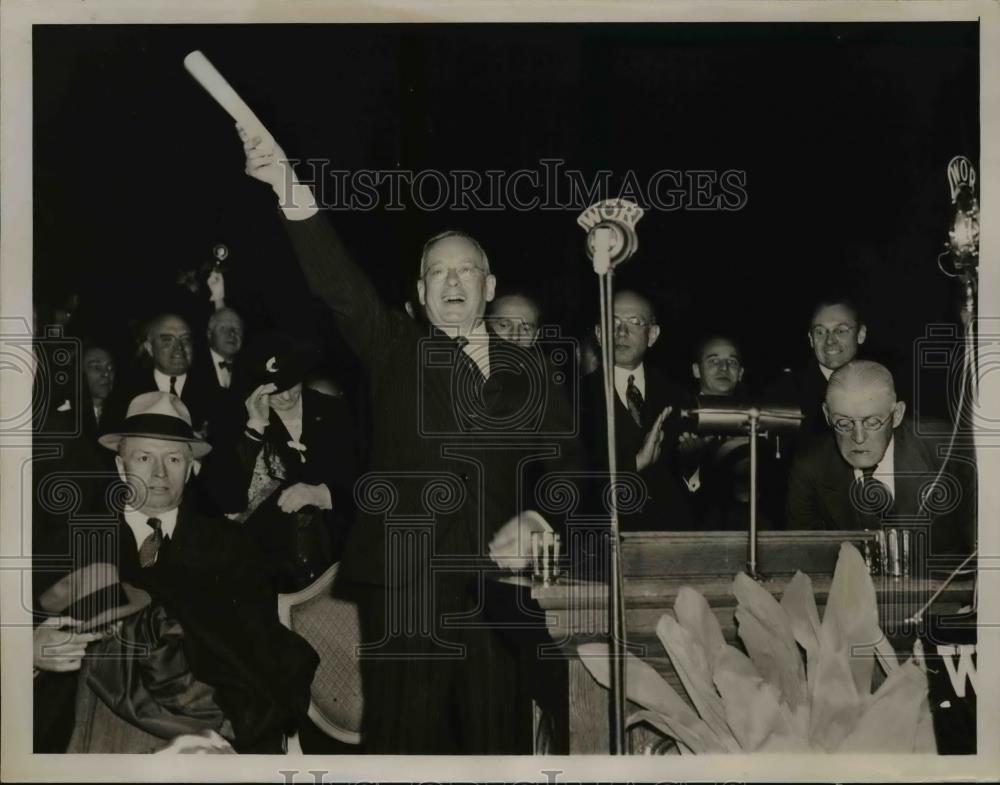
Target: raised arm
{"type": "Point", "coordinates": [333, 275]}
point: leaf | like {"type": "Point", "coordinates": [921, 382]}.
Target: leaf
{"type": "Point", "coordinates": [645, 687]}
{"type": "Point", "coordinates": [688, 660]}
{"type": "Point", "coordinates": [925, 740]}
{"type": "Point", "coordinates": [893, 714]}
{"type": "Point", "coordinates": [836, 704]}
{"type": "Point", "coordinates": [694, 615]}
{"type": "Point", "coordinates": [753, 711]}
{"type": "Point", "coordinates": [799, 603]}
{"type": "Point", "coordinates": [766, 631]}
{"type": "Point", "coordinates": [853, 606]}
{"type": "Point", "coordinates": [662, 724]}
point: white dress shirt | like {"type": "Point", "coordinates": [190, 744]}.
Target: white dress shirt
{"type": "Point", "coordinates": [621, 382]}
{"type": "Point", "coordinates": [224, 375]}
{"type": "Point", "coordinates": [885, 470]}
{"type": "Point", "coordinates": [827, 372]}
{"type": "Point", "coordinates": [163, 382]}
{"type": "Point", "coordinates": [137, 523]}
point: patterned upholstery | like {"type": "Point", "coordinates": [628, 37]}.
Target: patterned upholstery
{"type": "Point", "coordinates": [330, 625]}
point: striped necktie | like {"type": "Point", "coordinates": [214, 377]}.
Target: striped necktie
{"type": "Point", "coordinates": [634, 399]}
{"type": "Point", "coordinates": [151, 545]}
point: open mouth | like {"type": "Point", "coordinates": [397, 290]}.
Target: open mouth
{"type": "Point", "coordinates": [454, 299]}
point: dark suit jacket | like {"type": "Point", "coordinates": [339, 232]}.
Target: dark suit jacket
{"type": "Point", "coordinates": [662, 504]}
{"type": "Point", "coordinates": [198, 394]}
{"type": "Point", "coordinates": [209, 578]}
{"type": "Point", "coordinates": [452, 458]}
{"type": "Point", "coordinates": [819, 490]}
{"type": "Point", "coordinates": [805, 387]}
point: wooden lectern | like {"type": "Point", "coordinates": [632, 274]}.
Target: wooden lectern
{"type": "Point", "coordinates": [655, 565]}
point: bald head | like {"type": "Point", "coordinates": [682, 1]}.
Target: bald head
{"type": "Point", "coordinates": [862, 376]}
{"type": "Point", "coordinates": [635, 303]}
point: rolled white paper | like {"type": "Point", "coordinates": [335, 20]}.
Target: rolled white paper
{"type": "Point", "coordinates": [208, 76]}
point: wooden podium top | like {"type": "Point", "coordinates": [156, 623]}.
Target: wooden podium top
{"type": "Point", "coordinates": [655, 566]}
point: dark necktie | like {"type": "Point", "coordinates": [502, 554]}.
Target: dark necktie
{"type": "Point", "coordinates": [151, 545]}
{"type": "Point", "coordinates": [875, 499]}
{"type": "Point", "coordinates": [226, 365]}
{"type": "Point", "coordinates": [173, 385]}
{"type": "Point", "coordinates": [634, 399]}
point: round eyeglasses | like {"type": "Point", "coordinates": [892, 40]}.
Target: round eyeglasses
{"type": "Point", "coordinates": [869, 423]}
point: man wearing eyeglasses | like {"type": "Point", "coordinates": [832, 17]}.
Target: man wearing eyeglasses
{"type": "Point", "coordinates": [877, 470]}
{"type": "Point", "coordinates": [647, 422]}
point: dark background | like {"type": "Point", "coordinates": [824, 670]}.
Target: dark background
{"type": "Point", "coordinates": [844, 131]}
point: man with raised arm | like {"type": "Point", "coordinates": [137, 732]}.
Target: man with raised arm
{"type": "Point", "coordinates": [463, 425]}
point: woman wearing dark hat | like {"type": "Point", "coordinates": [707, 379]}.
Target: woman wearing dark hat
{"type": "Point", "coordinates": [288, 475]}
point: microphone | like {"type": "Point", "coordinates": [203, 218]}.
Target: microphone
{"type": "Point", "coordinates": [610, 227]}
{"type": "Point", "coordinates": [962, 247]}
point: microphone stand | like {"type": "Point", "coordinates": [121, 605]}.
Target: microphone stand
{"type": "Point", "coordinates": [616, 605]}
{"type": "Point", "coordinates": [726, 417]}
{"type": "Point", "coordinates": [611, 240]}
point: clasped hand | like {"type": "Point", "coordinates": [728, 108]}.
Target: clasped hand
{"type": "Point", "coordinates": [300, 495]}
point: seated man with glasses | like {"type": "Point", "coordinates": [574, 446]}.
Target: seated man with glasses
{"type": "Point", "coordinates": [879, 469]}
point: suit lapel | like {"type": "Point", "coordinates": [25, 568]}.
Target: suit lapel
{"type": "Point", "coordinates": [128, 552]}
{"type": "Point", "coordinates": [836, 485]}
{"type": "Point", "coordinates": [913, 475]}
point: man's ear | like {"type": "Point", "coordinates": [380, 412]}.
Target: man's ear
{"type": "Point", "coordinates": [120, 465]}
{"type": "Point", "coordinates": [862, 333]}
{"type": "Point", "coordinates": [597, 334]}
{"type": "Point", "coordinates": [897, 413]}
{"type": "Point", "coordinates": [695, 370]}
{"type": "Point", "coordinates": [826, 411]}
{"type": "Point", "coordinates": [654, 333]}
{"type": "Point", "coordinates": [421, 291]}
{"type": "Point", "coordinates": [739, 377]}
{"type": "Point", "coordinates": [491, 287]}
{"type": "Point", "coordinates": [148, 347]}
{"type": "Point", "coordinates": [812, 343]}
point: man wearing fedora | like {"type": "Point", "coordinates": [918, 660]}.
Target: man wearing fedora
{"type": "Point", "coordinates": [460, 429]}
{"type": "Point", "coordinates": [286, 472]}
{"type": "Point", "coordinates": [204, 573]}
